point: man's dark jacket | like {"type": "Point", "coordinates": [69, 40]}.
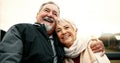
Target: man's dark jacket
{"type": "Point", "coordinates": [29, 43]}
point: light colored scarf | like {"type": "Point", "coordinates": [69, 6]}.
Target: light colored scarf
{"type": "Point", "coordinates": [82, 47]}
{"type": "Point", "coordinates": [78, 46]}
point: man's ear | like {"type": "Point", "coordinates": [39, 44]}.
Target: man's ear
{"type": "Point", "coordinates": [37, 15]}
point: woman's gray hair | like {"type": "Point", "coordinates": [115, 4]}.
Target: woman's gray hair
{"type": "Point", "coordinates": [68, 21]}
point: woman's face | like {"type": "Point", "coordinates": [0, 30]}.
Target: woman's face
{"type": "Point", "coordinates": [66, 33]}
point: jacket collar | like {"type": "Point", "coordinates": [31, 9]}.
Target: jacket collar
{"type": "Point", "coordinates": [41, 28]}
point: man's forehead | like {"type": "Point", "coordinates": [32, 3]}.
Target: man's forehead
{"type": "Point", "coordinates": [52, 7]}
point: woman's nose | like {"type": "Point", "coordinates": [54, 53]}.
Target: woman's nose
{"type": "Point", "coordinates": [63, 31]}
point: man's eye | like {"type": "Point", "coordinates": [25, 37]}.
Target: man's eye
{"type": "Point", "coordinates": [55, 14]}
{"type": "Point", "coordinates": [46, 10]}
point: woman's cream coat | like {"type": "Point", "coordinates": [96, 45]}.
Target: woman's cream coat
{"type": "Point", "coordinates": [87, 55]}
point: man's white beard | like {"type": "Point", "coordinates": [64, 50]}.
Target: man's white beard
{"type": "Point", "coordinates": [48, 28]}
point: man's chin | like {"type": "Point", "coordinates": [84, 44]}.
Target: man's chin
{"type": "Point", "coordinates": [48, 28]}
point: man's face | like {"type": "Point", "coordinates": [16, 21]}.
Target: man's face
{"type": "Point", "coordinates": [48, 15]}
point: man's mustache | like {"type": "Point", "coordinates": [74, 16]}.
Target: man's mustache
{"type": "Point", "coordinates": [48, 19]}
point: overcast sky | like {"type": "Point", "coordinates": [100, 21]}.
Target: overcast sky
{"type": "Point", "coordinates": [91, 16]}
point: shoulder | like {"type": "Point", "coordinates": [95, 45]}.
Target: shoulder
{"type": "Point", "coordinates": [23, 24]}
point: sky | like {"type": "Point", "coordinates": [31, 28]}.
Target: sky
{"type": "Point", "coordinates": [90, 16]}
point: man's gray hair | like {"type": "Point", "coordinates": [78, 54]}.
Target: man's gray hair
{"type": "Point", "coordinates": [49, 2]}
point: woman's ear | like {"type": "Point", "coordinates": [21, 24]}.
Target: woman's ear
{"type": "Point", "coordinates": [76, 29]}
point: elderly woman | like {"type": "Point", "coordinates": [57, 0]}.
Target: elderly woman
{"type": "Point", "coordinates": [77, 48]}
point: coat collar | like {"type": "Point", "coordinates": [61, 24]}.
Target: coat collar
{"type": "Point", "coordinates": [41, 28]}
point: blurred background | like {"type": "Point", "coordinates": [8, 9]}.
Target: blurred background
{"type": "Point", "coordinates": [92, 17]}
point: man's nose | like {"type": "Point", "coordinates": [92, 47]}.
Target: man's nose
{"type": "Point", "coordinates": [50, 14]}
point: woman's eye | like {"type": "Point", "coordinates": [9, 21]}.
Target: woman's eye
{"type": "Point", "coordinates": [66, 27]}
{"type": "Point", "coordinates": [58, 30]}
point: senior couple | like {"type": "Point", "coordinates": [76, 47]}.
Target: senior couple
{"type": "Point", "coordinates": [49, 40]}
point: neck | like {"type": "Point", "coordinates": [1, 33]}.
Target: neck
{"type": "Point", "coordinates": [69, 45]}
